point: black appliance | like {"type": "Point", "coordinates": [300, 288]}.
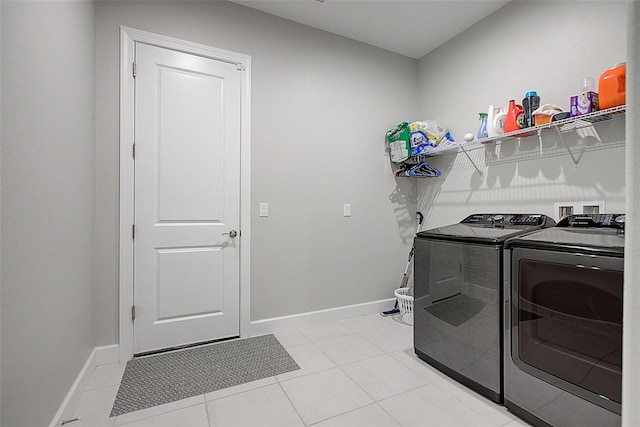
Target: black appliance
{"type": "Point", "coordinates": [458, 283]}
{"type": "Point", "coordinates": [563, 311]}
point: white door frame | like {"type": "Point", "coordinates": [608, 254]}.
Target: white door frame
{"type": "Point", "coordinates": [128, 38]}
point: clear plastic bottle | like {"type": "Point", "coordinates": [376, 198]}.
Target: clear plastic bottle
{"type": "Point", "coordinates": [588, 85]}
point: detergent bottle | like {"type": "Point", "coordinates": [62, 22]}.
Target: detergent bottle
{"type": "Point", "coordinates": [495, 120]}
{"type": "Point", "coordinates": [530, 103]}
{"type": "Point", "coordinates": [482, 132]}
{"type": "Point", "coordinates": [515, 117]}
{"type": "Point", "coordinates": [498, 121]}
{"type": "Point", "coordinates": [612, 86]}
{"type": "Point", "coordinates": [491, 117]}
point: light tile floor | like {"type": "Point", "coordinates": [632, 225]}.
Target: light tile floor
{"type": "Point", "coordinates": [355, 372]}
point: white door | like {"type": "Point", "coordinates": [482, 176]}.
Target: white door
{"type": "Point", "coordinates": [187, 199]}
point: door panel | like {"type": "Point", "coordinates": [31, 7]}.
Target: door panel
{"type": "Point", "coordinates": [188, 120]}
{"type": "Point", "coordinates": [187, 175]}
{"type": "Point", "coordinates": [198, 271]}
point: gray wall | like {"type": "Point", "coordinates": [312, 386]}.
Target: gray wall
{"type": "Point", "coordinates": [321, 105]}
{"type": "Point", "coordinates": [497, 60]}
{"type": "Point", "coordinates": [47, 198]}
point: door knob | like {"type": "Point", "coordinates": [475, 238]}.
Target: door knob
{"type": "Point", "coordinates": [232, 234]}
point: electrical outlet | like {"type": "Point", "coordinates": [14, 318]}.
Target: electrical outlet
{"type": "Point", "coordinates": [347, 209]}
{"type": "Point", "coordinates": [590, 209]}
{"type": "Point", "coordinates": [563, 209]}
{"type": "Point", "coordinates": [264, 209]}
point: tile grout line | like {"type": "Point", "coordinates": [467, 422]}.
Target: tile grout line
{"type": "Point", "coordinates": [290, 402]}
{"type": "Point", "coordinates": [206, 408]}
{"type": "Point", "coordinates": [338, 365]}
{"type": "Point", "coordinates": [239, 392]}
{"type": "Point", "coordinates": [333, 367]}
{"type": "Point", "coordinates": [391, 416]}
{"type": "Point", "coordinates": [472, 394]}
{"type": "Point", "coordinates": [160, 413]}
{"type": "Point", "coordinates": [365, 392]}
{"type": "Point", "coordinates": [373, 400]}
{"type": "Point", "coordinates": [377, 402]}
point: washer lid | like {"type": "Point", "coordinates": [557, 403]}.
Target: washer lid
{"type": "Point", "coordinates": [489, 228]}
{"type": "Point", "coordinates": [476, 233]}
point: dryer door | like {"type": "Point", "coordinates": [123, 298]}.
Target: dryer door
{"type": "Point", "coordinates": [566, 321]}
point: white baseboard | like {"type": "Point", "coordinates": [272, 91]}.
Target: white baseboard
{"type": "Point", "coordinates": [99, 356]}
{"type": "Point", "coordinates": [72, 398]}
{"type": "Point", "coordinates": [302, 320]}
{"type": "Point", "coordinates": [107, 354]}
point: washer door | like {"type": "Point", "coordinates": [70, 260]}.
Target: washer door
{"type": "Point", "coordinates": [457, 311]}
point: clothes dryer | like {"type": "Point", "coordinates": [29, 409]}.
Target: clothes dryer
{"type": "Point", "coordinates": [563, 322]}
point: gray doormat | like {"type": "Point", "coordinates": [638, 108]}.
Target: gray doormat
{"type": "Point", "coordinates": [163, 378]}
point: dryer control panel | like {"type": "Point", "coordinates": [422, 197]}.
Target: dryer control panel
{"type": "Point", "coordinates": [593, 221]}
{"type": "Point", "coordinates": [497, 219]}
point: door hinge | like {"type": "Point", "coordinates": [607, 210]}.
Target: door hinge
{"type": "Point", "coordinates": [134, 151]}
{"type": "Point", "coordinates": [133, 231]}
{"type": "Point", "coordinates": [133, 312]}
{"type": "Point", "coordinates": [240, 67]}
{"type": "Point", "coordinates": [134, 69]}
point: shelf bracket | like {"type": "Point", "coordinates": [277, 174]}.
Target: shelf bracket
{"type": "Point", "coordinates": [573, 158]}
{"type": "Point", "coordinates": [470, 159]}
{"type": "Point", "coordinates": [540, 140]}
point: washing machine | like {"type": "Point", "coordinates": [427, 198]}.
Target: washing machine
{"type": "Point", "coordinates": [563, 322]}
{"type": "Point", "coordinates": [458, 280]}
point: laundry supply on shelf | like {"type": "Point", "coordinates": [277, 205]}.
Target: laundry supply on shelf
{"type": "Point", "coordinates": [411, 139]}
{"type": "Point", "coordinates": [530, 102]}
{"type": "Point", "coordinates": [586, 101]}
{"type": "Point", "coordinates": [399, 142]}
{"type": "Point", "coordinates": [545, 113]}
{"type": "Point", "coordinates": [482, 132]}
{"type": "Point", "coordinates": [515, 117]}
{"type": "Point", "coordinates": [411, 142]}
{"type": "Point", "coordinates": [612, 86]}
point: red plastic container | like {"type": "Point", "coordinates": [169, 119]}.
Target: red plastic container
{"type": "Point", "coordinates": [515, 117]}
{"type": "Point", "coordinates": [612, 87]}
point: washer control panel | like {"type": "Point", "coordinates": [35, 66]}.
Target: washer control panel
{"type": "Point", "coordinates": [498, 219]}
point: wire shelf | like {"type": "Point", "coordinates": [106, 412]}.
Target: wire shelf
{"type": "Point", "coordinates": [581, 123]}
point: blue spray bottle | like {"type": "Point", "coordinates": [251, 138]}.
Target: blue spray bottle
{"type": "Point", "coordinates": [482, 132]}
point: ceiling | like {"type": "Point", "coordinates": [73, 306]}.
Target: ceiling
{"type": "Point", "coordinates": [409, 27]}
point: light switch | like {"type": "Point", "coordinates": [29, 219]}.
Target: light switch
{"type": "Point", "coordinates": [264, 209]}
{"type": "Point", "coordinates": [347, 209]}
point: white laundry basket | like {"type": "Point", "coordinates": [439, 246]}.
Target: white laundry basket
{"type": "Point", "coordinates": [405, 304]}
